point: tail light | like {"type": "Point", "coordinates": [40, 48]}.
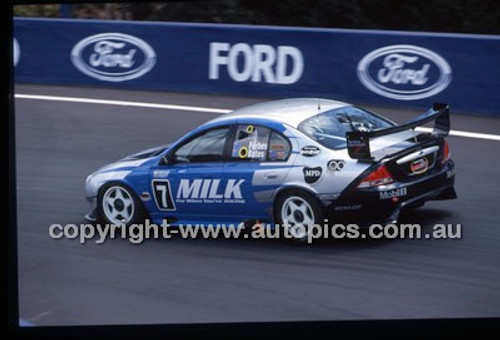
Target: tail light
{"type": "Point", "coordinates": [379, 176]}
{"type": "Point", "coordinates": [446, 152]}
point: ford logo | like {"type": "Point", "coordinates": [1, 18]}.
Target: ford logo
{"type": "Point", "coordinates": [113, 57]}
{"type": "Point", "coordinates": [419, 166]}
{"type": "Point", "coordinates": [404, 72]}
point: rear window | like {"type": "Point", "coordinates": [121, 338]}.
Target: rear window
{"type": "Point", "coordinates": [329, 128]}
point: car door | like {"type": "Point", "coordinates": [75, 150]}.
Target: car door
{"type": "Point", "coordinates": [258, 164]}
{"type": "Point", "coordinates": [190, 187]}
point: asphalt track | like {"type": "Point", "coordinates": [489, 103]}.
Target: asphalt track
{"type": "Point", "coordinates": [62, 282]}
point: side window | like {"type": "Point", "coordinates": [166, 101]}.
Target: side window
{"type": "Point", "coordinates": [250, 143]}
{"type": "Point", "coordinates": [257, 143]}
{"type": "Point", "coordinates": [208, 147]}
{"type": "Point", "coordinates": [279, 147]}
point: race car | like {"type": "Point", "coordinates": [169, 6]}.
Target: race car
{"type": "Point", "coordinates": [298, 160]}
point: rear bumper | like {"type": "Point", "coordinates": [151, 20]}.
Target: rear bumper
{"type": "Point", "coordinates": [384, 204]}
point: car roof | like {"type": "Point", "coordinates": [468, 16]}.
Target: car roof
{"type": "Point", "coordinates": [291, 111]}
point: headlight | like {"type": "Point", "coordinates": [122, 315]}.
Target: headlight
{"type": "Point", "coordinates": [89, 178]}
{"type": "Point", "coordinates": [90, 186]}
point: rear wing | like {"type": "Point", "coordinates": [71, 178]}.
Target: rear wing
{"type": "Point", "coordinates": [358, 142]}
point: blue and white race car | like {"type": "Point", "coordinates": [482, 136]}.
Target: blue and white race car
{"type": "Point", "coordinates": [295, 160]}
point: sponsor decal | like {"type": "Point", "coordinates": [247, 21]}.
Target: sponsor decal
{"type": "Point", "coordinates": [277, 147]}
{"type": "Point", "coordinates": [309, 151]}
{"type": "Point", "coordinates": [256, 63]}
{"type": "Point", "coordinates": [145, 196]}
{"type": "Point", "coordinates": [336, 165]}
{"type": "Point", "coordinates": [113, 57]}
{"type": "Point", "coordinates": [16, 51]}
{"type": "Point", "coordinates": [273, 155]}
{"type": "Point", "coordinates": [209, 191]}
{"type": "Point", "coordinates": [419, 166]}
{"type": "Point", "coordinates": [357, 143]}
{"type": "Point", "coordinates": [393, 193]}
{"type": "Point", "coordinates": [312, 175]}
{"type": "Point", "coordinates": [277, 151]}
{"type": "Point", "coordinates": [161, 173]}
{"type": "Point", "coordinates": [404, 72]}
{"type": "Point", "coordinates": [163, 194]}
{"type": "Point", "coordinates": [348, 207]}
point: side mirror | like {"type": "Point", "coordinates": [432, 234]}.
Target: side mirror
{"type": "Point", "coordinates": [167, 159]}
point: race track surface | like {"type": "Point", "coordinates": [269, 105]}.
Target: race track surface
{"type": "Point", "coordinates": [62, 282]}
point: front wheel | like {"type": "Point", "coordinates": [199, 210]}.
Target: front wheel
{"type": "Point", "coordinates": [117, 204]}
{"type": "Point", "coordinates": [298, 211]}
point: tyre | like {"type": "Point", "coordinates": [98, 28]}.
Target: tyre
{"type": "Point", "coordinates": [299, 210]}
{"type": "Point", "coordinates": [117, 204]}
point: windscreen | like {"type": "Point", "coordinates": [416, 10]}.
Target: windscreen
{"type": "Point", "coordinates": [329, 128]}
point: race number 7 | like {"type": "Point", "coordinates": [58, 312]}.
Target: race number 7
{"type": "Point", "coordinates": [163, 194]}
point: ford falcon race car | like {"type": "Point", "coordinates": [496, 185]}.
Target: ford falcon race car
{"type": "Point", "coordinates": [294, 160]}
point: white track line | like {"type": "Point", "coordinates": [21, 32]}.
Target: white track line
{"type": "Point", "coordinates": [121, 103]}
{"type": "Point", "coordinates": [457, 133]}
{"type": "Point", "coordinates": [467, 134]}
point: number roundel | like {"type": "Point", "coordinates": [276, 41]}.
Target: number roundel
{"type": "Point", "coordinates": [163, 194]}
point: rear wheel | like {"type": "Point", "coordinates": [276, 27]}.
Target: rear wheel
{"type": "Point", "coordinates": [298, 211]}
{"type": "Point", "coordinates": [117, 204]}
